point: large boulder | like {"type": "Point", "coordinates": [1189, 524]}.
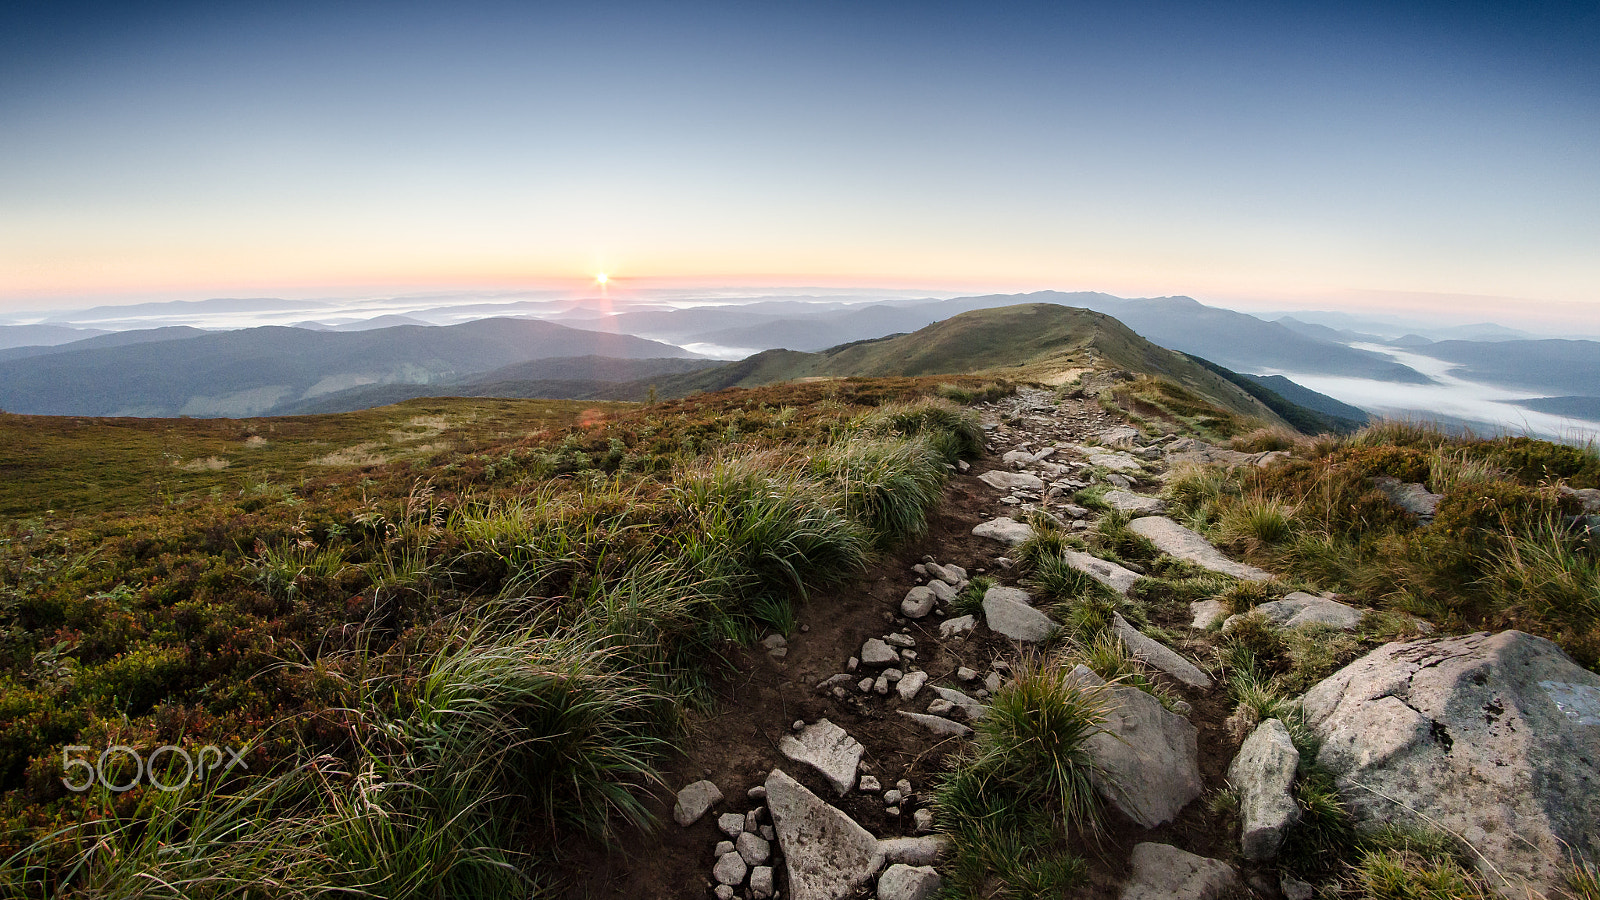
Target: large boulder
{"type": "Point", "coordinates": [828, 855]}
{"type": "Point", "coordinates": [1263, 774]}
{"type": "Point", "coordinates": [1299, 609]}
{"type": "Point", "coordinates": [1148, 757]}
{"type": "Point", "coordinates": [1492, 737]}
{"type": "Point", "coordinates": [1411, 497]}
{"type": "Point", "coordinates": [1175, 540]}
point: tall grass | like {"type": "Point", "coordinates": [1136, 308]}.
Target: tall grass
{"type": "Point", "coordinates": [1023, 785]}
{"type": "Point", "coordinates": [888, 484]}
{"type": "Point", "coordinates": [956, 433]}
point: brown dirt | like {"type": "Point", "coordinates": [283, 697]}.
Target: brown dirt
{"type": "Point", "coordinates": [735, 745]}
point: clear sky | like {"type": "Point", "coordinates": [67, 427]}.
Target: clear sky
{"type": "Point", "coordinates": [1275, 154]}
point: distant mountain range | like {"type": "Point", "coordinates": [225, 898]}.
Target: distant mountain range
{"type": "Point", "coordinates": [259, 371]}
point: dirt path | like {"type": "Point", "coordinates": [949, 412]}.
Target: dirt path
{"type": "Point", "coordinates": [736, 745]}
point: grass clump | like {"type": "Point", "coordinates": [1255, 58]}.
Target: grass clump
{"type": "Point", "coordinates": [1023, 788]}
{"type": "Point", "coordinates": [969, 601]}
{"type": "Point", "coordinates": [956, 433]}
{"type": "Point", "coordinates": [888, 484]}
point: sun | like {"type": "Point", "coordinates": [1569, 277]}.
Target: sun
{"type": "Point", "coordinates": [601, 278]}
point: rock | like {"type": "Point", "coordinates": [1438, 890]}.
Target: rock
{"type": "Point", "coordinates": [1163, 872]}
{"type": "Point", "coordinates": [950, 575]}
{"type": "Point", "coordinates": [723, 848]}
{"type": "Point", "coordinates": [1017, 458]}
{"type": "Point", "coordinates": [1151, 651]}
{"type": "Point", "coordinates": [966, 674]}
{"type": "Point", "coordinates": [825, 684]}
{"type": "Point", "coordinates": [1295, 889]}
{"type": "Point", "coordinates": [1075, 511]}
{"type": "Point", "coordinates": [869, 784]}
{"type": "Point", "coordinates": [759, 792]}
{"type": "Point", "coordinates": [959, 626]}
{"type": "Point", "coordinates": [1263, 774]}
{"type": "Point", "coordinates": [877, 653]}
{"type": "Point", "coordinates": [1005, 529]}
{"type": "Point", "coordinates": [1007, 613]}
{"type": "Point", "coordinates": [761, 882]}
{"type": "Point", "coordinates": [693, 801]}
{"type": "Point", "coordinates": [940, 707]}
{"type": "Point", "coordinates": [724, 892]}
{"type": "Point", "coordinates": [914, 851]}
{"type": "Point", "coordinates": [1104, 571]}
{"type": "Point", "coordinates": [1012, 481]}
{"type": "Point", "coordinates": [1588, 498]}
{"type": "Point", "coordinates": [753, 850]}
{"type": "Point", "coordinates": [731, 824]}
{"type": "Point", "coordinates": [991, 682]}
{"type": "Point", "coordinates": [893, 796]}
{"type": "Point", "coordinates": [1207, 613]}
{"type": "Point", "coordinates": [774, 641]}
{"type": "Point", "coordinates": [1114, 460]}
{"type": "Point", "coordinates": [826, 747]}
{"type": "Point", "coordinates": [942, 592]}
{"type": "Point", "coordinates": [881, 686]}
{"type": "Point", "coordinates": [962, 465]}
{"type": "Point", "coordinates": [730, 869]}
{"type": "Point", "coordinates": [922, 820]}
{"type": "Point", "coordinates": [899, 640]}
{"type": "Point", "coordinates": [893, 675]}
{"type": "Point", "coordinates": [1121, 438]}
{"type": "Point", "coordinates": [919, 602]}
{"type": "Point", "coordinates": [768, 834]}
{"type": "Point", "coordinates": [903, 786]}
{"type": "Point", "coordinates": [865, 685]}
{"type": "Point", "coordinates": [1135, 504]}
{"type": "Point", "coordinates": [971, 709]}
{"type": "Point", "coordinates": [827, 854]}
{"type": "Point", "coordinates": [1413, 498]}
{"type": "Point", "coordinates": [1492, 737]}
{"type": "Point", "coordinates": [910, 685]}
{"type": "Point", "coordinates": [1149, 757]}
{"type": "Point", "coordinates": [1300, 608]}
{"type": "Point", "coordinates": [938, 724]}
{"type": "Point", "coordinates": [903, 882]}
{"type": "Point", "coordinates": [1178, 541]}
{"type": "Point", "coordinates": [752, 821]}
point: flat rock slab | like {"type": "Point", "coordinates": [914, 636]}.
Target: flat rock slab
{"type": "Point", "coordinates": [876, 652]}
{"type": "Point", "coordinates": [938, 724]}
{"type": "Point", "coordinates": [825, 747]}
{"type": "Point", "coordinates": [971, 709]}
{"type": "Point", "coordinates": [1113, 460]}
{"type": "Point", "coordinates": [1207, 613]}
{"type": "Point", "coordinates": [1189, 451]}
{"type": "Point", "coordinates": [1163, 872]}
{"type": "Point", "coordinates": [1299, 609]}
{"type": "Point", "coordinates": [1492, 737]}
{"type": "Point", "coordinates": [693, 801]}
{"type": "Point", "coordinates": [1121, 438]}
{"type": "Point", "coordinates": [1177, 541]}
{"type": "Point", "coordinates": [1012, 481]}
{"type": "Point", "coordinates": [1007, 613]}
{"type": "Point", "coordinates": [1263, 774]}
{"type": "Point", "coordinates": [903, 882]}
{"type": "Point", "coordinates": [828, 855]}
{"type": "Point", "coordinates": [1104, 571]}
{"type": "Point", "coordinates": [1149, 757]}
{"type": "Point", "coordinates": [960, 625]}
{"type": "Point", "coordinates": [1152, 652]}
{"type": "Point", "coordinates": [1135, 504]}
{"type": "Point", "coordinates": [1005, 529]}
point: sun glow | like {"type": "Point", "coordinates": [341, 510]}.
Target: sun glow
{"type": "Point", "coordinates": [601, 279]}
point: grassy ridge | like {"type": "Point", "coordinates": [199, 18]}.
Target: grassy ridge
{"type": "Point", "coordinates": [435, 663]}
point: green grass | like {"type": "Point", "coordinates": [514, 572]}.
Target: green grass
{"type": "Point", "coordinates": [1022, 789]}
{"type": "Point", "coordinates": [449, 663]}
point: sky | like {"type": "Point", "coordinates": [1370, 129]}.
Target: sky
{"type": "Point", "coordinates": [1386, 156]}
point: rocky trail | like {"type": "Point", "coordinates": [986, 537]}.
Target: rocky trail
{"type": "Point", "coordinates": [811, 777]}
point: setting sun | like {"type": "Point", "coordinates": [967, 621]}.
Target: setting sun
{"type": "Point", "coordinates": [601, 279]}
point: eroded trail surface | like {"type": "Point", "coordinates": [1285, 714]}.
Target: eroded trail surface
{"type": "Point", "coordinates": [812, 779]}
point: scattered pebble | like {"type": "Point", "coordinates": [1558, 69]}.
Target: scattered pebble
{"type": "Point", "coordinates": [869, 783]}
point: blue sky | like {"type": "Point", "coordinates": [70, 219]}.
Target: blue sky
{"type": "Point", "coordinates": [1280, 153]}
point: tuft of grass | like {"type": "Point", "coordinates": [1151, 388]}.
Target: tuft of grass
{"type": "Point", "coordinates": [1256, 522]}
{"type": "Point", "coordinates": [956, 433]}
{"type": "Point", "coordinates": [888, 484]}
{"type": "Point", "coordinates": [1022, 784]}
{"type": "Point", "coordinates": [1108, 657]}
{"type": "Point", "coordinates": [1264, 439]}
{"type": "Point", "coordinates": [969, 601]}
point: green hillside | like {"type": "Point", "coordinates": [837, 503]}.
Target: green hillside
{"type": "Point", "coordinates": [1040, 341]}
